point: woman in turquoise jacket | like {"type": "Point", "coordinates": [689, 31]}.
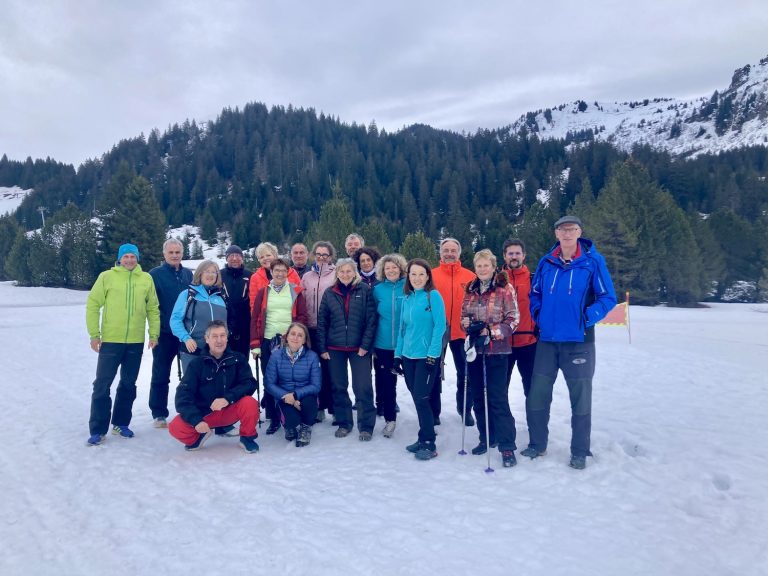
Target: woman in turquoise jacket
{"type": "Point", "coordinates": [196, 308]}
{"type": "Point", "coordinates": [388, 294]}
{"type": "Point", "coordinates": [419, 343]}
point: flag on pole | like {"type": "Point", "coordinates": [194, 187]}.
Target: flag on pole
{"type": "Point", "coordinates": [619, 316]}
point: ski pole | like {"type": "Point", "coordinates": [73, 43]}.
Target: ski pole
{"type": "Point", "coordinates": [487, 419]}
{"type": "Point", "coordinates": [258, 388]}
{"type": "Point", "coordinates": [464, 410]}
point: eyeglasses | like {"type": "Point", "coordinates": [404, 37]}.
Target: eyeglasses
{"type": "Point", "coordinates": [210, 273]}
{"type": "Point", "coordinates": [570, 230]}
{"type": "Point", "coordinates": [322, 255]}
{"type": "Point", "coordinates": [279, 271]}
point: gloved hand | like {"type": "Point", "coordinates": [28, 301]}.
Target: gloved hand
{"type": "Point", "coordinates": [397, 367]}
{"type": "Point", "coordinates": [431, 361]}
{"type": "Point", "coordinates": [256, 352]}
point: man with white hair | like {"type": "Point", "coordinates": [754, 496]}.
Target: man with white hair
{"type": "Point", "coordinates": [353, 243]}
{"type": "Point", "coordinates": [170, 279]}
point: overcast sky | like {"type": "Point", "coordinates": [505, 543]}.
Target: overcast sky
{"type": "Point", "coordinates": [78, 76]}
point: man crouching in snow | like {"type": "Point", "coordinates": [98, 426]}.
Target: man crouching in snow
{"type": "Point", "coordinates": [216, 390]}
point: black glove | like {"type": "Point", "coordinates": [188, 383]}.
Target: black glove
{"type": "Point", "coordinates": [431, 361]}
{"type": "Point", "coordinates": [397, 367]}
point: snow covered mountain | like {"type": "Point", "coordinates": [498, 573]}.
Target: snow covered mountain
{"type": "Point", "coordinates": [11, 198]}
{"type": "Point", "coordinates": [733, 118]}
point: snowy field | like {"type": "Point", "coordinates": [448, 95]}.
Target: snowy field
{"type": "Point", "coordinates": [678, 485]}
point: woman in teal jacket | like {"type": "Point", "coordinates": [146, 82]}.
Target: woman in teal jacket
{"type": "Point", "coordinates": [388, 294]}
{"type": "Point", "coordinates": [196, 308]}
{"type": "Point", "coordinates": [419, 343]}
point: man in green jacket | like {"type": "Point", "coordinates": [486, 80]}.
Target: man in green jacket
{"type": "Point", "coordinates": [126, 298]}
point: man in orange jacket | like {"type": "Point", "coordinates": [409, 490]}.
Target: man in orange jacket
{"type": "Point", "coordinates": [451, 279]}
{"type": "Point", "coordinates": [523, 340]}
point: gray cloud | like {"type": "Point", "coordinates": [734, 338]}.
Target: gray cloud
{"type": "Point", "coordinates": [78, 77]}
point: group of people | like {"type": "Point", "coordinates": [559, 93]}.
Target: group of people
{"type": "Point", "coordinates": [312, 320]}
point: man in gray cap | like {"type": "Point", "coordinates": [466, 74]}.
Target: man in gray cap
{"type": "Point", "coordinates": [235, 281]}
{"type": "Point", "coordinates": [570, 293]}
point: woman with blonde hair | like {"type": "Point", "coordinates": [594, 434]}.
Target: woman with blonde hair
{"type": "Point", "coordinates": [388, 294]}
{"type": "Point", "coordinates": [346, 326]}
{"type": "Point", "coordinates": [489, 315]}
{"type": "Point", "coordinates": [197, 307]}
{"type": "Point", "coordinates": [265, 253]}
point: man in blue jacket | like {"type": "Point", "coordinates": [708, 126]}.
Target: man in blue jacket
{"type": "Point", "coordinates": [571, 291]}
{"type": "Point", "coordinates": [170, 279]}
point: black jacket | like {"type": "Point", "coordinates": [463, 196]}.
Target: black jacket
{"type": "Point", "coordinates": [169, 283]}
{"type": "Point", "coordinates": [346, 323]}
{"type": "Point", "coordinates": [235, 291]}
{"type": "Point", "coordinates": [206, 379]}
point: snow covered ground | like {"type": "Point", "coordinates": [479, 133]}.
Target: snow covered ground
{"type": "Point", "coordinates": [11, 198]}
{"type": "Point", "coordinates": [678, 484]}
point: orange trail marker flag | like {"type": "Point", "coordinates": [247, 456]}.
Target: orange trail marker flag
{"type": "Point", "coordinates": [619, 316]}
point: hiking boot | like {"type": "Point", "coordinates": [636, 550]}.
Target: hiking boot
{"type": "Point", "coordinates": [342, 432]}
{"type": "Point", "coordinates": [291, 434]}
{"type": "Point", "coordinates": [426, 452]}
{"type": "Point", "coordinates": [415, 447]}
{"type": "Point", "coordinates": [122, 431]}
{"type": "Point", "coordinates": [197, 444]}
{"type": "Point", "coordinates": [365, 436]}
{"type": "Point", "coordinates": [508, 458]}
{"type": "Point", "coordinates": [578, 462]}
{"type": "Point", "coordinates": [228, 431]}
{"type": "Point", "coordinates": [305, 435]}
{"type": "Point", "coordinates": [532, 452]}
{"type": "Point", "coordinates": [95, 439]}
{"type": "Point", "coordinates": [274, 426]}
{"type": "Point", "coordinates": [320, 416]}
{"type": "Point", "coordinates": [389, 429]}
{"type": "Point", "coordinates": [481, 448]}
{"type": "Point", "coordinates": [248, 443]}
{"type": "Point", "coordinates": [159, 422]}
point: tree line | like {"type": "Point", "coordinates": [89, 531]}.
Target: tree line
{"type": "Point", "coordinates": [683, 230]}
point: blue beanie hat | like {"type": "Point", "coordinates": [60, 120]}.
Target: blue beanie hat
{"type": "Point", "coordinates": [127, 249]}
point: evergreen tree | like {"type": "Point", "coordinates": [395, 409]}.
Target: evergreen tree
{"type": "Point", "coordinates": [208, 231]}
{"type": "Point", "coordinates": [376, 235]}
{"type": "Point", "coordinates": [9, 229]}
{"type": "Point", "coordinates": [333, 225]}
{"type": "Point", "coordinates": [136, 219]}
{"type": "Point", "coordinates": [18, 263]}
{"type": "Point", "coordinates": [417, 245]}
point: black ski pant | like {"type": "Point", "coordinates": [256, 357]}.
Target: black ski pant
{"type": "Point", "coordinates": [488, 374]}
{"type": "Point", "coordinates": [362, 386]}
{"type": "Point", "coordinates": [267, 400]}
{"type": "Point", "coordinates": [524, 357]}
{"type": "Point", "coordinates": [577, 361]}
{"type": "Point", "coordinates": [325, 398]}
{"type": "Point", "coordinates": [293, 417]}
{"type": "Point", "coordinates": [459, 359]}
{"type": "Point", "coordinates": [420, 380]}
{"type": "Point", "coordinates": [163, 355]}
{"type": "Point", "coordinates": [386, 383]}
{"type": "Point", "coordinates": [126, 357]}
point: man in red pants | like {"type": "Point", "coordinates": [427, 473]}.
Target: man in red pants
{"type": "Point", "coordinates": [216, 390]}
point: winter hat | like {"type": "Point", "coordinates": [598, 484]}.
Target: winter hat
{"type": "Point", "coordinates": [127, 249]}
{"type": "Point", "coordinates": [233, 249]}
{"type": "Point", "coordinates": [569, 220]}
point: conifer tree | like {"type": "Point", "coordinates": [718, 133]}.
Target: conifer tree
{"type": "Point", "coordinates": [333, 225]}
{"type": "Point", "coordinates": [136, 219]}
{"type": "Point", "coordinates": [8, 231]}
{"type": "Point", "coordinates": [417, 245]}
{"type": "Point", "coordinates": [376, 235]}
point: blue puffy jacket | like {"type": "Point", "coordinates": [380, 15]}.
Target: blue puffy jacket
{"type": "Point", "coordinates": [567, 300]}
{"type": "Point", "coordinates": [300, 376]}
{"type": "Point", "coordinates": [389, 301]}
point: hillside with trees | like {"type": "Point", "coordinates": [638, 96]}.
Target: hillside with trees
{"type": "Point", "coordinates": [673, 230]}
